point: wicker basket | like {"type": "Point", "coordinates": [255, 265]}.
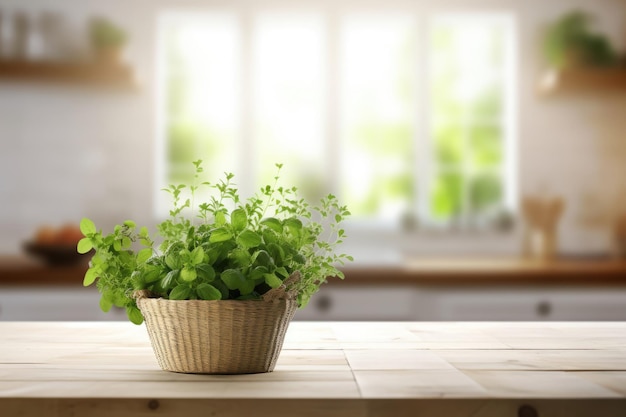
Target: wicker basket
{"type": "Point", "coordinates": [216, 337]}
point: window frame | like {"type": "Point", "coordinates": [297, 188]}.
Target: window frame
{"type": "Point", "coordinates": [424, 19]}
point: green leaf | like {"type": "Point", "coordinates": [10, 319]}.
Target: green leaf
{"type": "Point", "coordinates": [137, 280]}
{"type": "Point", "coordinates": [143, 232]}
{"type": "Point", "coordinates": [269, 236]}
{"type": "Point", "coordinates": [272, 280]}
{"type": "Point", "coordinates": [126, 242]}
{"type": "Point", "coordinates": [241, 257]}
{"type": "Point", "coordinates": [247, 287]}
{"type": "Point", "coordinates": [205, 272]}
{"type": "Point", "coordinates": [282, 271]}
{"type": "Point", "coordinates": [117, 245]}
{"type": "Point", "coordinates": [299, 258]}
{"type": "Point", "coordinates": [130, 223]}
{"type": "Point", "coordinates": [208, 292]}
{"type": "Point", "coordinates": [220, 218]}
{"type": "Point", "coordinates": [220, 235]}
{"type": "Point", "coordinates": [105, 304]}
{"type": "Point", "coordinates": [239, 219]}
{"type": "Point", "coordinates": [273, 224]}
{"type": "Point", "coordinates": [258, 273]}
{"type": "Point", "coordinates": [144, 255]}
{"type": "Point", "coordinates": [188, 274]}
{"type": "Point", "coordinates": [277, 253]}
{"type": "Point", "coordinates": [222, 287]}
{"type": "Point", "coordinates": [262, 258]}
{"type": "Point", "coordinates": [213, 254]}
{"type": "Point", "coordinates": [170, 279]}
{"type": "Point", "coordinates": [293, 225]}
{"type": "Point", "coordinates": [90, 277]}
{"type": "Point", "coordinates": [152, 275]}
{"type": "Point", "coordinates": [180, 292]}
{"type": "Point", "coordinates": [87, 227]}
{"type": "Point", "coordinates": [173, 260]}
{"type": "Point", "coordinates": [84, 245]}
{"type": "Point", "coordinates": [233, 279]}
{"type": "Point", "coordinates": [197, 255]}
{"type": "Point", "coordinates": [249, 239]}
{"type": "Point", "coordinates": [134, 315]}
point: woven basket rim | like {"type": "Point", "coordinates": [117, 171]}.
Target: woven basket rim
{"type": "Point", "coordinates": [217, 301]}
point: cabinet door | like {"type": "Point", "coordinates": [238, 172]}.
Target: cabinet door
{"type": "Point", "coordinates": [488, 305]}
{"type": "Point", "coordinates": [360, 303]}
{"type": "Point", "coordinates": [523, 303]}
{"type": "Point", "coordinates": [592, 304]}
{"type": "Point", "coordinates": [53, 303]}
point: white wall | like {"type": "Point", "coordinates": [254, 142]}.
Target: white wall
{"type": "Point", "coordinates": [66, 153]}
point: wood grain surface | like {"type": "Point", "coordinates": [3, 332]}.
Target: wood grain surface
{"type": "Point", "coordinates": [325, 369]}
{"type": "Point", "coordinates": [22, 271]}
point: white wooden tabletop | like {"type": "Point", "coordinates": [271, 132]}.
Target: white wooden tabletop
{"type": "Point", "coordinates": [326, 369]}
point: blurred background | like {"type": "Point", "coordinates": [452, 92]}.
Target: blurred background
{"type": "Point", "coordinates": [480, 145]}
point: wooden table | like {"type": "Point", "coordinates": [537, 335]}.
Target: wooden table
{"type": "Point", "coordinates": [325, 369]}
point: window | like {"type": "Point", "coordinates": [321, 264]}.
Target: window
{"type": "Point", "coordinates": [288, 66]}
{"type": "Point", "coordinates": [399, 120]}
{"type": "Point", "coordinates": [378, 105]}
{"type": "Point", "coordinates": [470, 126]}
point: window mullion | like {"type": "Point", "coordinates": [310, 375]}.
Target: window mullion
{"type": "Point", "coordinates": [247, 143]}
{"type": "Point", "coordinates": [465, 169]}
{"type": "Point", "coordinates": [423, 147]}
{"type": "Point", "coordinates": [332, 115]}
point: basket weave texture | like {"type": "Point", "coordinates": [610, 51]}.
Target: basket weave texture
{"type": "Point", "coordinates": [217, 337]}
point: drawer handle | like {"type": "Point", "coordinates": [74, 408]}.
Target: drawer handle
{"type": "Point", "coordinates": [544, 308]}
{"type": "Point", "coordinates": [324, 303]}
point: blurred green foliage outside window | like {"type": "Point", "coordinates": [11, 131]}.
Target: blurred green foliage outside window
{"type": "Point", "coordinates": [366, 118]}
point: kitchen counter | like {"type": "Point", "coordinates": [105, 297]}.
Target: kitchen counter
{"type": "Point", "coordinates": [499, 271]}
{"type": "Point", "coordinates": [326, 369]}
{"type": "Point", "coordinates": [22, 271]}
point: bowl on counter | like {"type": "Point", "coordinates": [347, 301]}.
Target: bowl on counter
{"type": "Point", "coordinates": [56, 254]}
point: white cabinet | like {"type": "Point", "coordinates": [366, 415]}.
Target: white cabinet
{"type": "Point", "coordinates": [53, 303]}
{"type": "Point", "coordinates": [524, 303]}
{"type": "Point", "coordinates": [360, 302]}
{"type": "Point", "coordinates": [354, 302]}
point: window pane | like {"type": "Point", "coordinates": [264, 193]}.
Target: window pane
{"type": "Point", "coordinates": [486, 105]}
{"type": "Point", "coordinates": [446, 197]}
{"type": "Point", "coordinates": [200, 69]}
{"type": "Point", "coordinates": [467, 68]}
{"type": "Point", "coordinates": [449, 144]}
{"type": "Point", "coordinates": [377, 79]}
{"type": "Point", "coordinates": [467, 93]}
{"type": "Point", "coordinates": [485, 192]}
{"type": "Point", "coordinates": [485, 146]}
{"type": "Point", "coordinates": [289, 93]}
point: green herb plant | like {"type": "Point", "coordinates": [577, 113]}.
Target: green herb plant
{"type": "Point", "coordinates": [570, 41]}
{"type": "Point", "coordinates": [105, 33]}
{"type": "Point", "coordinates": [220, 249]}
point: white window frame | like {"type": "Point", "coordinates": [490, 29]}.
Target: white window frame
{"type": "Point", "coordinates": [422, 121]}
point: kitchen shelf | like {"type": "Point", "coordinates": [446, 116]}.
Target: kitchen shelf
{"type": "Point", "coordinates": [93, 74]}
{"type": "Point", "coordinates": [584, 79]}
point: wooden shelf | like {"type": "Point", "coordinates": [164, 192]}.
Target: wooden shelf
{"type": "Point", "coordinates": [94, 74]}
{"type": "Point", "coordinates": [584, 79]}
